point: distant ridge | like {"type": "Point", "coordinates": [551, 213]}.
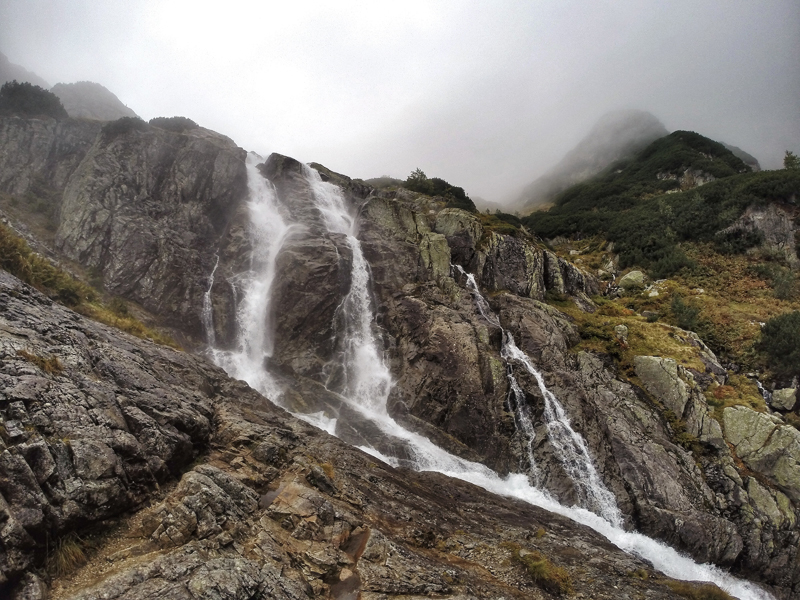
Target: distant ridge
{"type": "Point", "coordinates": [10, 72]}
{"type": "Point", "coordinates": [616, 135]}
{"type": "Point", "coordinates": [89, 100]}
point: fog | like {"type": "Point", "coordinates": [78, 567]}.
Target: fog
{"type": "Point", "coordinates": [487, 95]}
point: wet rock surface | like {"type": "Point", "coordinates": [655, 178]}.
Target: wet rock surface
{"type": "Point", "coordinates": [146, 210]}
{"type": "Point", "coordinates": [263, 505]}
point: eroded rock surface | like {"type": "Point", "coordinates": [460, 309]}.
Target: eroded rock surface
{"type": "Point", "coordinates": [146, 210]}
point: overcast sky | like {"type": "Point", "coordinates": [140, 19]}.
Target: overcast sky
{"type": "Point", "coordinates": [487, 95]}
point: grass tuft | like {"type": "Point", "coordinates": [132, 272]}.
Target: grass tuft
{"type": "Point", "coordinates": [50, 364]}
{"type": "Point", "coordinates": [551, 578]}
{"type": "Point", "coordinates": [68, 553]}
{"type": "Point", "coordinates": [698, 591]}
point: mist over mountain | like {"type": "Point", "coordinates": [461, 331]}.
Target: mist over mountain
{"type": "Point", "coordinates": [616, 135]}
{"type": "Point", "coordinates": [89, 100]}
{"type": "Point", "coordinates": [9, 72]}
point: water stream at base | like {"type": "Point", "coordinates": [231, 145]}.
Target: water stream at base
{"type": "Point", "coordinates": [367, 384]}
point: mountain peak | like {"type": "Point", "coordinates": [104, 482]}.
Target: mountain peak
{"type": "Point", "coordinates": [616, 135]}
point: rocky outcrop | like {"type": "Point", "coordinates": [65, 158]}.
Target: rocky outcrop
{"type": "Point", "coordinates": [146, 210]}
{"type": "Point", "coordinates": [89, 100]}
{"type": "Point", "coordinates": [93, 435]}
{"type": "Point", "coordinates": [784, 399]}
{"type": "Point", "coordinates": [502, 262]}
{"type": "Point", "coordinates": [270, 507]}
{"type": "Point", "coordinates": [767, 445]}
{"type": "Point", "coordinates": [775, 224]}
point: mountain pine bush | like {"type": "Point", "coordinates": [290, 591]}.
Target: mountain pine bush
{"type": "Point", "coordinates": [30, 100]}
{"type": "Point", "coordinates": [780, 341]}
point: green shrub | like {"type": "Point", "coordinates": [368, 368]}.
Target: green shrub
{"type": "Point", "coordinates": [30, 100]}
{"type": "Point", "coordinates": [780, 341]}
{"type": "Point", "coordinates": [122, 126]}
{"type": "Point", "coordinates": [628, 204]}
{"type": "Point", "coordinates": [177, 124]}
{"type": "Point", "coordinates": [686, 314]}
{"type": "Point", "coordinates": [455, 197]}
{"type": "Point", "coordinates": [782, 279]}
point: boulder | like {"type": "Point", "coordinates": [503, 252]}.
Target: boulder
{"type": "Point", "coordinates": [660, 378]}
{"type": "Point", "coordinates": [784, 399]}
{"type": "Point", "coordinates": [632, 280]}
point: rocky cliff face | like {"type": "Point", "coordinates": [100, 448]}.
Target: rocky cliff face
{"type": "Point", "coordinates": [156, 211]}
{"type": "Point", "coordinates": [146, 210]}
{"type": "Point", "coordinates": [41, 152]}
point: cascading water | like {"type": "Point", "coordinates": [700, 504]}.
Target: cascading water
{"type": "Point", "coordinates": [524, 421]}
{"type": "Point", "coordinates": [367, 379]}
{"type": "Point", "coordinates": [371, 383]}
{"type": "Point", "coordinates": [208, 310]}
{"type": "Point", "coordinates": [268, 232]}
{"type": "Point", "coordinates": [569, 445]}
{"type": "Point", "coordinates": [368, 382]}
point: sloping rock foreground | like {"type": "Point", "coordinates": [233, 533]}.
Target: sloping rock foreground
{"type": "Point", "coordinates": [98, 427]}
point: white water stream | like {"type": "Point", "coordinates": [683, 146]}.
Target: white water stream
{"type": "Point", "coordinates": [569, 446]}
{"type": "Point", "coordinates": [268, 232]}
{"type": "Point", "coordinates": [368, 381]}
{"type": "Point", "coordinates": [208, 310]}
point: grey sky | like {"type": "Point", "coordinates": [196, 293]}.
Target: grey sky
{"type": "Point", "coordinates": [487, 95]}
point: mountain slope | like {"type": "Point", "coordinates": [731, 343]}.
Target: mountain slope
{"type": "Point", "coordinates": [89, 100]}
{"type": "Point", "coordinates": [681, 187]}
{"type": "Point", "coordinates": [664, 457]}
{"type": "Point", "coordinates": [10, 72]}
{"type": "Point", "coordinates": [615, 136]}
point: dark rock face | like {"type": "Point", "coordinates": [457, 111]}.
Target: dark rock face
{"type": "Point", "coordinates": [93, 441]}
{"type": "Point", "coordinates": [146, 210]}
{"type": "Point", "coordinates": [272, 507]}
{"type": "Point", "coordinates": [41, 152]}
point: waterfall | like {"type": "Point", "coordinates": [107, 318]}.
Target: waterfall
{"type": "Point", "coordinates": [367, 381]}
{"type": "Point", "coordinates": [570, 447]}
{"type": "Point", "coordinates": [367, 378]}
{"type": "Point", "coordinates": [524, 422]}
{"type": "Point", "coordinates": [268, 232]}
{"type": "Point", "coordinates": [207, 316]}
